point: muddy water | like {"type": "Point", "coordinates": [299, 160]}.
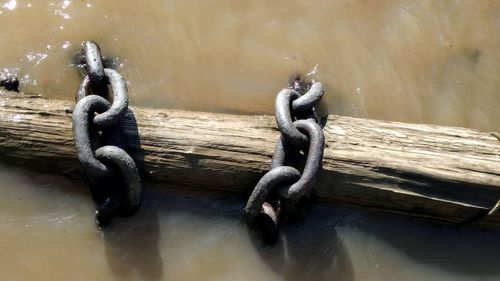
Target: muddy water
{"type": "Point", "coordinates": [413, 61]}
{"type": "Point", "coordinates": [47, 233]}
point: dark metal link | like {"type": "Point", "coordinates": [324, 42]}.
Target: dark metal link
{"type": "Point", "coordinates": [84, 89]}
{"type": "Point", "coordinates": [284, 117]}
{"type": "Point", "coordinates": [296, 121]}
{"type": "Point", "coordinates": [270, 181]}
{"type": "Point", "coordinates": [309, 99]}
{"type": "Point", "coordinates": [94, 67]}
{"type": "Point", "coordinates": [82, 112]}
{"type": "Point", "coordinates": [313, 164]}
{"type": "Point", "coordinates": [120, 98]}
{"type": "Point", "coordinates": [268, 220]}
{"type": "Point", "coordinates": [106, 210]}
{"type": "Point", "coordinates": [114, 177]}
{"type": "Point", "coordinates": [129, 173]}
{"type": "Point", "coordinates": [288, 101]}
{"type": "Point", "coordinates": [280, 153]}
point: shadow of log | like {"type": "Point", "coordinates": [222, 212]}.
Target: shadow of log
{"type": "Point", "coordinates": [470, 250]}
{"type": "Point", "coordinates": [132, 244]}
{"type": "Point", "coordinates": [132, 139]}
{"type": "Point", "coordinates": [308, 249]}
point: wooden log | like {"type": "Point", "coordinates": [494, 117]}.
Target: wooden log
{"type": "Point", "coordinates": [446, 173]}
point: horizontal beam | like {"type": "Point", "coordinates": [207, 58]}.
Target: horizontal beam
{"type": "Point", "coordinates": [446, 173]}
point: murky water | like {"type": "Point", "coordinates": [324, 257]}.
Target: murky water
{"type": "Point", "coordinates": [413, 61]}
{"type": "Point", "coordinates": [47, 232]}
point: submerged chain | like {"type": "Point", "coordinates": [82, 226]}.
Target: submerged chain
{"type": "Point", "coordinates": [283, 183]}
{"type": "Point", "coordinates": [98, 135]}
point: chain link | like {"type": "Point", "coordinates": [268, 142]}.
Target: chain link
{"type": "Point", "coordinates": [296, 191]}
{"type": "Point", "coordinates": [284, 183]}
{"type": "Point", "coordinates": [284, 117]}
{"type": "Point", "coordinates": [113, 174]}
{"type": "Point", "coordinates": [115, 113]}
{"type": "Point", "coordinates": [94, 67]}
{"type": "Point", "coordinates": [310, 99]}
{"type": "Point", "coordinates": [258, 211]}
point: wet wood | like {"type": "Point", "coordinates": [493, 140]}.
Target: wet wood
{"type": "Point", "coordinates": [447, 173]}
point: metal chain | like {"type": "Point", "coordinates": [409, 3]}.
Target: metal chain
{"type": "Point", "coordinates": [283, 183]}
{"type": "Point", "coordinates": [113, 174]}
{"type": "Point", "coordinates": [94, 67]}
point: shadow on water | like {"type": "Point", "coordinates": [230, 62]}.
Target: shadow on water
{"type": "Point", "coordinates": [132, 244]}
{"type": "Point", "coordinates": [469, 250]}
{"type": "Point", "coordinates": [133, 141]}
{"type": "Point", "coordinates": [198, 232]}
{"type": "Point", "coordinates": [308, 249]}
{"type": "Point", "coordinates": [311, 249]}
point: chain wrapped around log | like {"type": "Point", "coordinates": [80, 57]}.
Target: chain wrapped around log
{"type": "Point", "coordinates": [113, 175]}
{"type": "Point", "coordinates": [284, 183]}
{"type": "Point", "coordinates": [444, 173]}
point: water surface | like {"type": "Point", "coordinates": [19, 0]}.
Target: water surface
{"type": "Point", "coordinates": [47, 232]}
{"type": "Point", "coordinates": [413, 61]}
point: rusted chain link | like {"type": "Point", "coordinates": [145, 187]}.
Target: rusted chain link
{"type": "Point", "coordinates": [283, 183]}
{"type": "Point", "coordinates": [113, 174]}
{"type": "Point", "coordinates": [94, 67]}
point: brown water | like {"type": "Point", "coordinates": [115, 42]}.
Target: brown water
{"type": "Point", "coordinates": [413, 61]}
{"type": "Point", "coordinates": [47, 232]}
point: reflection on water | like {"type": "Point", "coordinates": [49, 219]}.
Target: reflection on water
{"type": "Point", "coordinates": [48, 233]}
{"type": "Point", "coordinates": [416, 61]}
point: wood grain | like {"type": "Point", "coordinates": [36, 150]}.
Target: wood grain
{"type": "Point", "coordinates": [446, 173]}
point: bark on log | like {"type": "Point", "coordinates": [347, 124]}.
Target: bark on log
{"type": "Point", "coordinates": [446, 173]}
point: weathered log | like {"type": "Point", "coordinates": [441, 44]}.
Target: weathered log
{"type": "Point", "coordinates": [447, 173]}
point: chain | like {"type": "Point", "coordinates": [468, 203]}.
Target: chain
{"type": "Point", "coordinates": [97, 132]}
{"type": "Point", "coordinates": [296, 121]}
